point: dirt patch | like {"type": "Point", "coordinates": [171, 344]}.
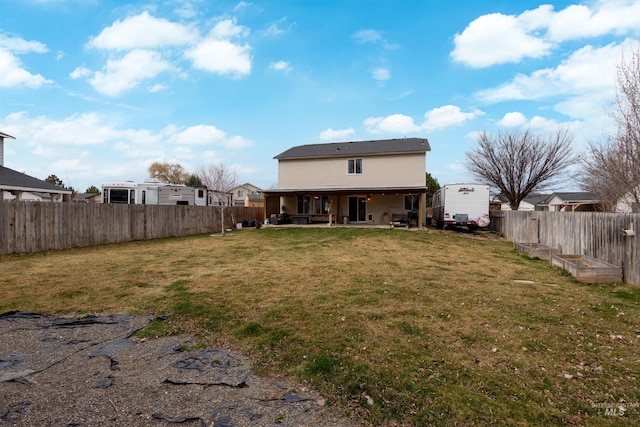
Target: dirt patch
{"type": "Point", "coordinates": [89, 371]}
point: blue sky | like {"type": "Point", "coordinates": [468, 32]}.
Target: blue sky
{"type": "Point", "coordinates": [95, 91]}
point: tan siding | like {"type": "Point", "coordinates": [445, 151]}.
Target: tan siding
{"type": "Point", "coordinates": [406, 170]}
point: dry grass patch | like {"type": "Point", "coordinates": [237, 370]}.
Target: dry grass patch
{"type": "Point", "coordinates": [397, 327]}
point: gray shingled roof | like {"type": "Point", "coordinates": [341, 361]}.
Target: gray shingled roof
{"type": "Point", "coordinates": [357, 148]}
{"type": "Point", "coordinates": [13, 180]}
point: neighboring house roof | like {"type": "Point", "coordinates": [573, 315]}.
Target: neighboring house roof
{"type": "Point", "coordinates": [247, 185]}
{"type": "Point", "coordinates": [357, 148]}
{"type": "Point", "coordinates": [84, 197]}
{"type": "Point", "coordinates": [532, 199]}
{"type": "Point", "coordinates": [575, 197]}
{"type": "Point", "coordinates": [536, 199]}
{"type": "Point", "coordinates": [11, 180]}
{"type": "Point", "coordinates": [6, 135]}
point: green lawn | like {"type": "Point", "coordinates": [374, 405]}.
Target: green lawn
{"type": "Point", "coordinates": [395, 327]}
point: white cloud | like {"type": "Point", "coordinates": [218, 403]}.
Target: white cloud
{"type": "Point", "coordinates": [91, 149]}
{"type": "Point", "coordinates": [142, 31]}
{"type": "Point", "coordinates": [589, 68]}
{"type": "Point", "coordinates": [209, 135]}
{"type": "Point", "coordinates": [367, 36]}
{"type": "Point", "coordinates": [281, 66]}
{"type": "Point", "coordinates": [78, 129]}
{"type": "Point", "coordinates": [12, 73]}
{"type": "Point", "coordinates": [370, 36]}
{"type": "Point", "coordinates": [139, 34]}
{"type": "Point", "coordinates": [395, 123]}
{"type": "Point", "coordinates": [336, 135]}
{"type": "Point", "coordinates": [21, 46]}
{"type": "Point", "coordinates": [237, 142]}
{"type": "Point", "coordinates": [241, 5]}
{"type": "Point", "coordinates": [156, 88]}
{"type": "Point", "coordinates": [218, 54]}
{"type": "Point", "coordinates": [579, 21]}
{"type": "Point", "coordinates": [80, 72]}
{"type": "Point", "coordinates": [277, 28]}
{"type": "Point", "coordinates": [437, 118]}
{"type": "Point", "coordinates": [123, 74]}
{"type": "Point", "coordinates": [496, 38]}
{"type": "Point", "coordinates": [517, 119]}
{"type": "Point", "coordinates": [381, 74]}
{"type": "Point", "coordinates": [221, 57]}
{"type": "Point", "coordinates": [446, 116]}
{"type": "Point", "coordinates": [587, 75]}
{"type": "Point", "coordinates": [274, 30]}
{"type": "Point", "coordinates": [513, 119]}
{"type": "Point", "coordinates": [199, 135]}
{"type": "Point", "coordinates": [227, 29]}
{"type": "Point", "coordinates": [186, 9]}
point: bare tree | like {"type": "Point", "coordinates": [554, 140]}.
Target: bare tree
{"type": "Point", "coordinates": [611, 170]}
{"type": "Point", "coordinates": [518, 163]}
{"type": "Point", "coordinates": [220, 180]}
{"type": "Point", "coordinates": [171, 173]}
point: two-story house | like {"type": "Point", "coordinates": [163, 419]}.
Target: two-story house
{"type": "Point", "coordinates": [247, 195]}
{"type": "Point", "coordinates": [360, 182]}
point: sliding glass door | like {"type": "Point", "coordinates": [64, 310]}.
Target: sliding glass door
{"type": "Point", "coordinates": [357, 209]}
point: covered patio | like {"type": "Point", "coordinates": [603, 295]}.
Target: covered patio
{"type": "Point", "coordinates": [381, 206]}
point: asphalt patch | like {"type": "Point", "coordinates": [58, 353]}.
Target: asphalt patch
{"type": "Point", "coordinates": [92, 371]}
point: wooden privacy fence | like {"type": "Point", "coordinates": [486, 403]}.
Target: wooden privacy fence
{"type": "Point", "coordinates": [40, 226]}
{"type": "Point", "coordinates": [596, 234]}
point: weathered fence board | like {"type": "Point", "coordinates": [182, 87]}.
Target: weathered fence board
{"type": "Point", "coordinates": [595, 234]}
{"type": "Point", "coordinates": [37, 226]}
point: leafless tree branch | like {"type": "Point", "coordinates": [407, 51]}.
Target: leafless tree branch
{"type": "Point", "coordinates": [220, 180]}
{"type": "Point", "coordinates": [612, 169]}
{"type": "Point", "coordinates": [518, 163]}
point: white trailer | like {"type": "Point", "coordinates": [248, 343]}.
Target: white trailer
{"type": "Point", "coordinates": [461, 204]}
{"type": "Point", "coordinates": [153, 192]}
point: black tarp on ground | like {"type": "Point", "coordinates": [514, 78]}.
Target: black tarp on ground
{"type": "Point", "coordinates": [89, 371]}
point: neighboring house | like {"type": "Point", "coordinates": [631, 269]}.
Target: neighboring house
{"type": "Point", "coordinates": [573, 202]}
{"type": "Point", "coordinates": [247, 195]}
{"type": "Point", "coordinates": [533, 202]}
{"type": "Point", "coordinates": [87, 197]}
{"type": "Point", "coordinates": [19, 186]}
{"type": "Point", "coordinates": [360, 182]}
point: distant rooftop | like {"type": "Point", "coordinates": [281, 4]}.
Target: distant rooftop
{"type": "Point", "coordinates": [12, 180]}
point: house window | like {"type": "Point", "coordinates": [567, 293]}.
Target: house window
{"type": "Point", "coordinates": [321, 205]}
{"type": "Point", "coordinates": [412, 202]}
{"type": "Point", "coordinates": [354, 166]}
{"type": "Point", "coordinates": [304, 204]}
{"type": "Point", "coordinates": [240, 193]}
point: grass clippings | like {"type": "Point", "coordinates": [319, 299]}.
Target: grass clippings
{"type": "Point", "coordinates": [395, 327]}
